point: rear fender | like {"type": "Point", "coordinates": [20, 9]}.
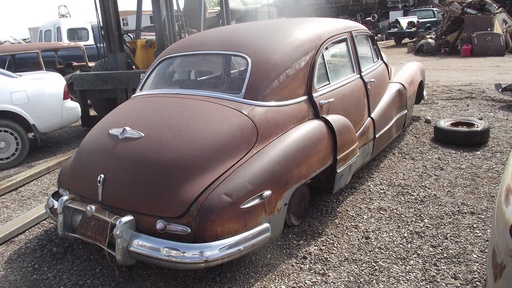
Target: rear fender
{"type": "Point", "coordinates": [242, 200]}
{"type": "Point", "coordinates": [347, 150]}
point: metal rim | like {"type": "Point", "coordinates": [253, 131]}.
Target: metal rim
{"type": "Point", "coordinates": [463, 125]}
{"type": "Point", "coordinates": [10, 145]}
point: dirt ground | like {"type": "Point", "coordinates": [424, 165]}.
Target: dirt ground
{"type": "Point", "coordinates": [418, 215]}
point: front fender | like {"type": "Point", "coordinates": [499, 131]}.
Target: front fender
{"type": "Point", "coordinates": [410, 75]}
{"type": "Point", "coordinates": [233, 206]}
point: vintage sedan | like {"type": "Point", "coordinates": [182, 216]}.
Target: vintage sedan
{"type": "Point", "coordinates": [229, 129]}
{"type": "Point", "coordinates": [31, 102]}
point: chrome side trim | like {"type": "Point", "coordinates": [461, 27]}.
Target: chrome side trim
{"type": "Point", "coordinates": [260, 197]}
{"type": "Point", "coordinates": [399, 115]}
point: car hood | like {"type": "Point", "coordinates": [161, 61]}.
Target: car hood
{"type": "Point", "coordinates": [187, 144]}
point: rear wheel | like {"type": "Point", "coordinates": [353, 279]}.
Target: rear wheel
{"type": "Point", "coordinates": [398, 40]}
{"type": "Point", "coordinates": [298, 206]}
{"type": "Point", "coordinates": [14, 144]}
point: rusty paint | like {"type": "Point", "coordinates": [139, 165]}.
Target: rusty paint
{"type": "Point", "coordinates": [498, 267]}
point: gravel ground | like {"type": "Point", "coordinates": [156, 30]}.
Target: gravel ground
{"type": "Point", "coordinates": [418, 215]}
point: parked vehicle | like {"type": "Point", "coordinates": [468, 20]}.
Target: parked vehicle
{"type": "Point", "coordinates": [499, 259]}
{"type": "Point", "coordinates": [69, 30]}
{"type": "Point", "coordinates": [55, 56]}
{"type": "Point", "coordinates": [415, 22]}
{"type": "Point", "coordinates": [226, 134]}
{"type": "Point", "coordinates": [64, 58]}
{"type": "Point", "coordinates": [31, 102]}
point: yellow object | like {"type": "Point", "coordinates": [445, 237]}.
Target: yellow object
{"type": "Point", "coordinates": [144, 52]}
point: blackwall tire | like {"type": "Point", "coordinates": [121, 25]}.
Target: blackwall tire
{"type": "Point", "coordinates": [102, 104]}
{"type": "Point", "coordinates": [298, 206]}
{"type": "Point", "coordinates": [462, 131]}
{"type": "Point", "coordinates": [14, 144]}
{"type": "Point", "coordinates": [398, 40]}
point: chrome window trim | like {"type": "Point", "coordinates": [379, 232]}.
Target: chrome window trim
{"type": "Point", "coordinates": [333, 85]}
{"type": "Point", "coordinates": [222, 96]}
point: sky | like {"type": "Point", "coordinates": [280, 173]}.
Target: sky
{"type": "Point", "coordinates": [19, 15]}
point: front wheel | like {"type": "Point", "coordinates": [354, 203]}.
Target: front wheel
{"type": "Point", "coordinates": [398, 40]}
{"type": "Point", "coordinates": [14, 144]}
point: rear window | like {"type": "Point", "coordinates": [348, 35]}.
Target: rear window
{"type": "Point", "coordinates": [78, 35]}
{"type": "Point", "coordinates": [211, 72]}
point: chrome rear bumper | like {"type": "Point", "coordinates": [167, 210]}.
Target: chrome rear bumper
{"type": "Point", "coordinates": [127, 245]}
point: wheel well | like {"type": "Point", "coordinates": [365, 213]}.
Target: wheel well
{"type": "Point", "coordinates": [18, 119]}
{"type": "Point", "coordinates": [420, 93]}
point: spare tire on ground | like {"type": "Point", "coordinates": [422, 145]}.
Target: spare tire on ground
{"type": "Point", "coordinates": [462, 131]}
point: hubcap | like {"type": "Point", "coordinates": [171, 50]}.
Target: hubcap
{"type": "Point", "coordinates": [10, 145]}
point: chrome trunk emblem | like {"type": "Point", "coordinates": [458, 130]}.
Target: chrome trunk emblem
{"type": "Point", "coordinates": [101, 180]}
{"type": "Point", "coordinates": [126, 132]}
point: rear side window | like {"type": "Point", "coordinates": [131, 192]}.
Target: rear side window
{"type": "Point", "coordinates": [335, 64]}
{"type": "Point", "coordinates": [78, 35]}
{"type": "Point", "coordinates": [47, 35]}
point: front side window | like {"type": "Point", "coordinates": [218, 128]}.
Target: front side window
{"type": "Point", "coordinates": [335, 64]}
{"type": "Point", "coordinates": [367, 51]}
{"type": "Point", "coordinates": [222, 73]}
{"type": "Point", "coordinates": [78, 35]}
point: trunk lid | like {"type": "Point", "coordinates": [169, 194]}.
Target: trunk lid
{"type": "Point", "coordinates": [187, 144]}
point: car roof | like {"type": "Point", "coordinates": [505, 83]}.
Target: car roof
{"type": "Point", "coordinates": [33, 47]}
{"type": "Point", "coordinates": [278, 49]}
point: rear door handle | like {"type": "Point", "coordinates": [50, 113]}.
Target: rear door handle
{"type": "Point", "coordinates": [368, 81]}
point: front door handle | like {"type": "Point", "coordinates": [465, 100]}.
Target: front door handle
{"type": "Point", "coordinates": [325, 102]}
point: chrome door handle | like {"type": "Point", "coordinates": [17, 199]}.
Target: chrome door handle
{"type": "Point", "coordinates": [324, 102]}
{"type": "Point", "coordinates": [368, 81]}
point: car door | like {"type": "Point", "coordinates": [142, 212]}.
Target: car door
{"type": "Point", "coordinates": [387, 101]}
{"type": "Point", "coordinates": [341, 102]}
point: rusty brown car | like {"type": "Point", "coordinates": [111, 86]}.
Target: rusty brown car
{"type": "Point", "coordinates": [230, 128]}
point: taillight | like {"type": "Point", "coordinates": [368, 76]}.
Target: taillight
{"type": "Point", "coordinates": [66, 95]}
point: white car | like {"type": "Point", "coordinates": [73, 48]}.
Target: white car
{"type": "Point", "coordinates": [31, 102]}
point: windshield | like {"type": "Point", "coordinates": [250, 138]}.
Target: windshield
{"type": "Point", "coordinates": [422, 14]}
{"type": "Point", "coordinates": [212, 72]}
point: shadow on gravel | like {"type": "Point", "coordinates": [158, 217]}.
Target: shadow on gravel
{"type": "Point", "coordinates": [52, 144]}
{"type": "Point", "coordinates": [46, 260]}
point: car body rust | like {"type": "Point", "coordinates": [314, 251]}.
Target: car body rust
{"type": "Point", "coordinates": [235, 121]}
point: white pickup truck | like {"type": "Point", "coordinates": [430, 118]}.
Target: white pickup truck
{"type": "Point", "coordinates": [408, 27]}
